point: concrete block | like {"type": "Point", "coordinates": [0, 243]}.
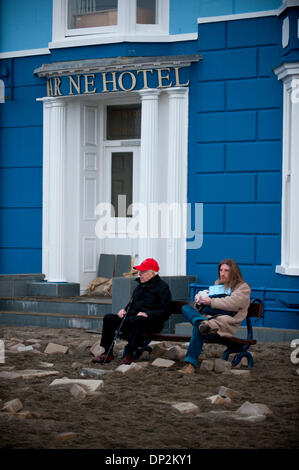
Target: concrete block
{"type": "Point", "coordinates": [162, 362]}
{"type": "Point", "coordinates": [13, 406]}
{"type": "Point", "coordinates": [221, 366]}
{"type": "Point", "coordinates": [25, 348]}
{"type": "Point", "coordinates": [207, 365]}
{"type": "Point", "coordinates": [186, 408]}
{"type": "Point", "coordinates": [97, 349]}
{"type": "Point", "coordinates": [53, 348]}
{"type": "Point", "coordinates": [254, 409]}
{"type": "Point", "coordinates": [90, 372]}
{"type": "Point", "coordinates": [124, 368]}
{"type": "Point", "coordinates": [89, 385]}
{"type": "Point", "coordinates": [219, 400]}
{"type": "Point", "coordinates": [175, 353]}
{"type": "Point", "coordinates": [26, 374]}
{"type": "Point", "coordinates": [78, 392]}
{"type": "Point", "coordinates": [238, 372]}
{"type": "Point", "coordinates": [227, 392]}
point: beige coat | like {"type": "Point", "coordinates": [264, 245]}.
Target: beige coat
{"type": "Point", "coordinates": [238, 301]}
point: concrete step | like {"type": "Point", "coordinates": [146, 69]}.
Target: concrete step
{"type": "Point", "coordinates": [76, 312]}
{"type": "Point", "coordinates": [261, 334]}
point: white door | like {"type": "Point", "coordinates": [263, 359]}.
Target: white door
{"type": "Point", "coordinates": [120, 180]}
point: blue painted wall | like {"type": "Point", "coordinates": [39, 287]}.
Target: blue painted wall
{"type": "Point", "coordinates": [28, 25]}
{"type": "Point", "coordinates": [235, 153]}
{"type": "Point", "coordinates": [25, 25]}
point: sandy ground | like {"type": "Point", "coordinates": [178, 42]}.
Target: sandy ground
{"type": "Point", "coordinates": [133, 411]}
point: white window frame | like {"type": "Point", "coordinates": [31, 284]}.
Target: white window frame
{"type": "Point", "coordinates": [125, 30]}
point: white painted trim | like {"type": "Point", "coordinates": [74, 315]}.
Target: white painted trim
{"type": "Point", "coordinates": [112, 39]}
{"type": "Point", "coordinates": [289, 74]}
{"type": "Point", "coordinates": [24, 53]}
{"type": "Point", "coordinates": [237, 16]}
{"type": "Point", "coordinates": [287, 4]}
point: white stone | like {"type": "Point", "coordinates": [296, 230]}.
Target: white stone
{"type": "Point", "coordinates": [26, 374]}
{"type": "Point", "coordinates": [15, 347]}
{"type": "Point", "coordinates": [175, 353]}
{"type": "Point", "coordinates": [96, 349]}
{"type": "Point", "coordinates": [90, 385]}
{"type": "Point", "coordinates": [13, 406]}
{"type": "Point", "coordinates": [53, 348]}
{"type": "Point", "coordinates": [186, 408]}
{"type": "Point", "coordinates": [221, 366]}
{"type": "Point", "coordinates": [25, 348]}
{"type": "Point", "coordinates": [253, 409]}
{"type": "Point", "coordinates": [78, 392]}
{"type": "Point", "coordinates": [227, 392]}
{"type": "Point", "coordinates": [87, 371]}
{"type": "Point", "coordinates": [207, 364]}
{"type": "Point", "coordinates": [219, 400]}
{"type": "Point", "coordinates": [124, 368]}
{"type": "Point", "coordinates": [46, 364]}
{"type": "Point", "coordinates": [162, 362]}
{"type": "Point", "coordinates": [250, 419]}
{"type": "Point", "coordinates": [240, 372]}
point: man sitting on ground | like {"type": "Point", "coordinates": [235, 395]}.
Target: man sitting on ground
{"type": "Point", "coordinates": [146, 312]}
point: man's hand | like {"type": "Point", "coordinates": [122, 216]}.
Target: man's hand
{"type": "Point", "coordinates": [142, 314]}
{"type": "Point", "coordinates": [121, 313]}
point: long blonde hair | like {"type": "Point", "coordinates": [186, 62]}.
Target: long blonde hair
{"type": "Point", "coordinates": [235, 273]}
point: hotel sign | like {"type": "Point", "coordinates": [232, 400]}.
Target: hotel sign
{"type": "Point", "coordinates": [111, 81]}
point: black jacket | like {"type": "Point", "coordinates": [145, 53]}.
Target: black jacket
{"type": "Point", "coordinates": [152, 297]}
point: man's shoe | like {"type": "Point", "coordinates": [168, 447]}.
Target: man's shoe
{"type": "Point", "coordinates": [127, 359]}
{"type": "Point", "coordinates": [205, 329]}
{"type": "Point", "coordinates": [187, 369]}
{"type": "Point", "coordinates": [101, 359]}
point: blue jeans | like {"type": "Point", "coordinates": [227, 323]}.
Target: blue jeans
{"type": "Point", "coordinates": [197, 339]}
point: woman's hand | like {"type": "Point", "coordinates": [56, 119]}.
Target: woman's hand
{"type": "Point", "coordinates": [205, 300]}
{"type": "Point", "coordinates": [142, 314]}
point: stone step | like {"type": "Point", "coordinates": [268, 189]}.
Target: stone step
{"type": "Point", "coordinates": [55, 312]}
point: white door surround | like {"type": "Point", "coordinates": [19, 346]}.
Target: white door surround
{"type": "Point", "coordinates": [74, 148]}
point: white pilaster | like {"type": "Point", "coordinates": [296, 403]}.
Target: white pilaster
{"type": "Point", "coordinates": [177, 178]}
{"type": "Point", "coordinates": [289, 74]}
{"type": "Point", "coordinates": [149, 165]}
{"type": "Point", "coordinates": [53, 189]}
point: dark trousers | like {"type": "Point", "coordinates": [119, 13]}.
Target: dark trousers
{"type": "Point", "coordinates": [133, 329]}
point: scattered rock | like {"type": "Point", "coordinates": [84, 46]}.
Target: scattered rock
{"type": "Point", "coordinates": [175, 353]}
{"type": "Point", "coordinates": [26, 374]}
{"type": "Point", "coordinates": [253, 409]}
{"type": "Point", "coordinates": [53, 348]}
{"type": "Point", "coordinates": [88, 384]}
{"type": "Point", "coordinates": [13, 406]}
{"type": "Point", "coordinates": [87, 371]}
{"type": "Point", "coordinates": [219, 400]}
{"type": "Point", "coordinates": [240, 372]}
{"type": "Point", "coordinates": [227, 392]}
{"type": "Point", "coordinates": [221, 366]}
{"type": "Point", "coordinates": [186, 408]}
{"type": "Point", "coordinates": [84, 345]}
{"type": "Point", "coordinates": [16, 346]}
{"type": "Point", "coordinates": [25, 348]}
{"type": "Point", "coordinates": [207, 365]}
{"type": "Point", "coordinates": [159, 362]}
{"type": "Point", "coordinates": [46, 364]}
{"type": "Point", "coordinates": [96, 349]}
{"type": "Point", "coordinates": [78, 392]}
{"type": "Point", "coordinates": [124, 368]}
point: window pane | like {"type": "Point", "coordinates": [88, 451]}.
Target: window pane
{"type": "Point", "coordinates": [91, 13]}
{"type": "Point", "coordinates": [146, 12]}
{"type": "Point", "coordinates": [123, 122]}
{"type": "Point", "coordinates": [121, 182]}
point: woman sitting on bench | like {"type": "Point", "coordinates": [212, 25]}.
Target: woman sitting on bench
{"type": "Point", "coordinates": [216, 316]}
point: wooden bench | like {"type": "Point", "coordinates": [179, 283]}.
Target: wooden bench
{"type": "Point", "coordinates": [235, 345]}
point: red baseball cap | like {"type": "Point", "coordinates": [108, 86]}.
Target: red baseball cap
{"type": "Point", "coordinates": [148, 264]}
